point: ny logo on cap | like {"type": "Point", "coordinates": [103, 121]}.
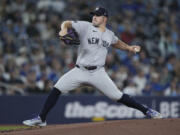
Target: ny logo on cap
{"type": "Point", "coordinates": [97, 8]}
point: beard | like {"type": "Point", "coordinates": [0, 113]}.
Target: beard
{"type": "Point", "coordinates": [95, 24]}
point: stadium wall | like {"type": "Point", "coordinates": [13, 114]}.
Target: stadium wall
{"type": "Point", "coordinates": [81, 108]}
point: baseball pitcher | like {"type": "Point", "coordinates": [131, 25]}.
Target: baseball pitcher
{"type": "Point", "coordinates": [93, 40]}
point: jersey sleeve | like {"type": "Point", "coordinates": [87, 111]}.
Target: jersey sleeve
{"type": "Point", "coordinates": [114, 39]}
{"type": "Point", "coordinates": [80, 26]}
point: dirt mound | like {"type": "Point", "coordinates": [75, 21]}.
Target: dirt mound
{"type": "Point", "coordinates": [120, 127]}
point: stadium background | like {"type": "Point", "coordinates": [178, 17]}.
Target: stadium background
{"type": "Point", "coordinates": [32, 58]}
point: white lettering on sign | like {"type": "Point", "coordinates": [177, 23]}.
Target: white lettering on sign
{"type": "Point", "coordinates": [170, 109]}
{"type": "Point", "coordinates": [100, 109]}
{"type": "Point", "coordinates": [175, 109]}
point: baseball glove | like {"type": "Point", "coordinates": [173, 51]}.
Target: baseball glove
{"type": "Point", "coordinates": [71, 38]}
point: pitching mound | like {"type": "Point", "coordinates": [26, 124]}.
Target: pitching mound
{"type": "Point", "coordinates": [120, 127]}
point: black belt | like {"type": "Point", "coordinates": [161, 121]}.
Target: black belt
{"type": "Point", "coordinates": [88, 67]}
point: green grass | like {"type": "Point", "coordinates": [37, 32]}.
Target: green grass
{"type": "Point", "coordinates": [7, 128]}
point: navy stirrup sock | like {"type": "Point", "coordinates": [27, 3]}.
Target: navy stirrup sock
{"type": "Point", "coordinates": [50, 102]}
{"type": "Point", "coordinates": [130, 102]}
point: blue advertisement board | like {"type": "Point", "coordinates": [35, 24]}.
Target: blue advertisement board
{"type": "Point", "coordinates": [84, 108]}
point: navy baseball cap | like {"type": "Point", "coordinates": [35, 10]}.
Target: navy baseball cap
{"type": "Point", "coordinates": [100, 11]}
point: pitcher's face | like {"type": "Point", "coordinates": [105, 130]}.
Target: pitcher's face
{"type": "Point", "coordinates": [98, 20]}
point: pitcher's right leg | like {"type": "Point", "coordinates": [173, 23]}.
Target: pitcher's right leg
{"type": "Point", "coordinates": [71, 80]}
{"type": "Point", "coordinates": [67, 82]}
{"type": "Point", "coordinates": [49, 104]}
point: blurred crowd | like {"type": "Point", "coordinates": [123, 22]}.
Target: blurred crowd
{"type": "Point", "coordinates": [32, 58]}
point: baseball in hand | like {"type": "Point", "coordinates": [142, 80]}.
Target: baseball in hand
{"type": "Point", "coordinates": [137, 49]}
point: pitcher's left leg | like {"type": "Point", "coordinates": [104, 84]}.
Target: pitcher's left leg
{"type": "Point", "coordinates": [102, 81]}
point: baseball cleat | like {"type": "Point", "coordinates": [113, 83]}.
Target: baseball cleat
{"type": "Point", "coordinates": [35, 122]}
{"type": "Point", "coordinates": [153, 114]}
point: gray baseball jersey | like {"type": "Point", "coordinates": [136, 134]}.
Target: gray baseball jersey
{"type": "Point", "coordinates": [94, 43]}
{"type": "Point", "coordinates": [92, 51]}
